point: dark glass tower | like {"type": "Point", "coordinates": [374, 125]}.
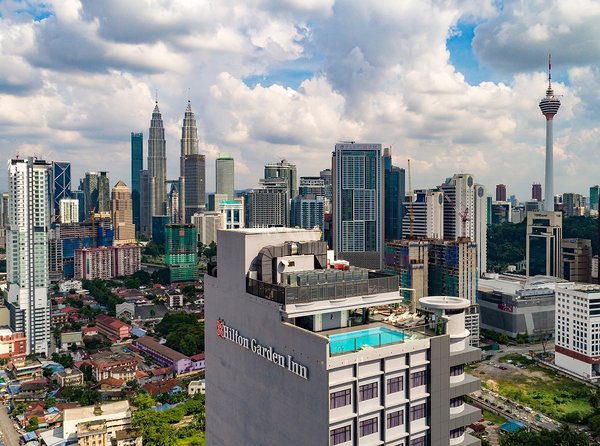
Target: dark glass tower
{"type": "Point", "coordinates": [395, 190]}
{"type": "Point", "coordinates": [60, 185]}
{"type": "Point", "coordinates": [137, 162]}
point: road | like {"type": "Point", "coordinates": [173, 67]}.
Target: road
{"type": "Point", "coordinates": [7, 429]}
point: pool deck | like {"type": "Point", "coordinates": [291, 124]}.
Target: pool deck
{"type": "Point", "coordinates": [411, 333]}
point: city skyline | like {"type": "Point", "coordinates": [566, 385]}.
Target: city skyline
{"type": "Point", "coordinates": [273, 84]}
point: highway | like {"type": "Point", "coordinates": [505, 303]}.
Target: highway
{"type": "Point", "coordinates": [8, 434]}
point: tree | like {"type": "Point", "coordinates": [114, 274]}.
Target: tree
{"type": "Point", "coordinates": [86, 369]}
{"type": "Point", "coordinates": [50, 402]}
{"type": "Point", "coordinates": [183, 332]}
{"type": "Point", "coordinates": [34, 424]}
{"type": "Point", "coordinates": [143, 401]}
{"type": "Point", "coordinates": [594, 423]}
{"type": "Point", "coordinates": [594, 398]}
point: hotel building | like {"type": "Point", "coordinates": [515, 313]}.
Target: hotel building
{"type": "Point", "coordinates": [292, 348]}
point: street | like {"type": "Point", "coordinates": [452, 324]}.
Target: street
{"type": "Point", "coordinates": [7, 429]}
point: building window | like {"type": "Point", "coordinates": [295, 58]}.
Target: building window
{"type": "Point", "coordinates": [455, 433]}
{"type": "Point", "coordinates": [418, 442]}
{"type": "Point", "coordinates": [395, 419]}
{"type": "Point", "coordinates": [457, 402]}
{"type": "Point", "coordinates": [417, 379]}
{"type": "Point", "coordinates": [417, 412]}
{"type": "Point", "coordinates": [368, 391]}
{"type": "Point", "coordinates": [340, 399]}
{"type": "Point", "coordinates": [368, 427]}
{"type": "Point", "coordinates": [395, 384]}
{"type": "Point", "coordinates": [340, 435]}
{"type": "Point", "coordinates": [457, 370]}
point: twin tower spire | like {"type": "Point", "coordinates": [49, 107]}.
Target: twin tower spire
{"type": "Point", "coordinates": [189, 188]}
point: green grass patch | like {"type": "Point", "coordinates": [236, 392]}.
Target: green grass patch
{"type": "Point", "coordinates": [517, 358]}
{"type": "Point", "coordinates": [195, 440]}
{"type": "Point", "coordinates": [489, 416]}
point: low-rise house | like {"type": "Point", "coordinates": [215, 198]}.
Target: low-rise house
{"type": "Point", "coordinates": [69, 377]}
{"type": "Point", "coordinates": [169, 386]}
{"type": "Point", "coordinates": [89, 331]}
{"type": "Point", "coordinates": [113, 365]}
{"type": "Point", "coordinates": [13, 344]}
{"type": "Point", "coordinates": [198, 386]}
{"type": "Point", "coordinates": [25, 370]}
{"type": "Point", "coordinates": [70, 338]}
{"type": "Point", "coordinates": [165, 356]}
{"type": "Point", "coordinates": [127, 437]}
{"type": "Point", "coordinates": [112, 328]}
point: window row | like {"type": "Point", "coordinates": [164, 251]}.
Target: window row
{"type": "Point", "coordinates": [369, 391]}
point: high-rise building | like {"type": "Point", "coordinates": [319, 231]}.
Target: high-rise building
{"type": "Point", "coordinates": [358, 204]}
{"type": "Point", "coordinates": [195, 184]}
{"type": "Point", "coordinates": [427, 214]}
{"type": "Point", "coordinates": [549, 107]}
{"type": "Point", "coordinates": [299, 335]}
{"type": "Point", "coordinates": [157, 162]}
{"type": "Point", "coordinates": [573, 204]}
{"type": "Point", "coordinates": [312, 186]}
{"type": "Point", "coordinates": [501, 212]}
{"type": "Point", "coordinates": [577, 260]}
{"type": "Point", "coordinates": [181, 252]}
{"type": "Point", "coordinates": [126, 259]}
{"type": "Point", "coordinates": [69, 210]}
{"type": "Point", "coordinates": [175, 200]}
{"type": "Point", "coordinates": [97, 193]}
{"type": "Point", "coordinates": [137, 165]}
{"type": "Point", "coordinates": [122, 215]}
{"type": "Point", "coordinates": [207, 224]}
{"type": "Point", "coordinates": [269, 206]}
{"type": "Point", "coordinates": [146, 203]}
{"type": "Point", "coordinates": [285, 170]}
{"type": "Point", "coordinates": [60, 186]}
{"type": "Point", "coordinates": [536, 192]}
{"type": "Point", "coordinates": [326, 176]}
{"type": "Point", "coordinates": [544, 238]}
{"type": "Point", "coordinates": [3, 219]}
{"type": "Point", "coordinates": [233, 213]}
{"type": "Point", "coordinates": [159, 223]}
{"type": "Point", "coordinates": [409, 259]}
{"type": "Point", "coordinates": [79, 195]}
{"type": "Point", "coordinates": [308, 212]}
{"type": "Point", "coordinates": [224, 166]}
{"type": "Point", "coordinates": [594, 197]}
{"type": "Point", "coordinates": [27, 251]}
{"type": "Point", "coordinates": [500, 192]}
{"type": "Point", "coordinates": [94, 263]}
{"type": "Point", "coordinates": [394, 191]}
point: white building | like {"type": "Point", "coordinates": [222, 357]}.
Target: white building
{"type": "Point", "coordinates": [208, 223]}
{"type": "Point", "coordinates": [577, 335]}
{"type": "Point", "coordinates": [27, 251]}
{"type": "Point", "coordinates": [233, 212]}
{"type": "Point", "coordinates": [293, 349]}
{"type": "Point", "coordinates": [427, 214]}
{"type": "Point", "coordinates": [69, 210]}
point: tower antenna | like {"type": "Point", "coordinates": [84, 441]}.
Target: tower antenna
{"type": "Point", "coordinates": [549, 71]}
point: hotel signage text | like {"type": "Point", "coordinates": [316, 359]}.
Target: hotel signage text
{"type": "Point", "coordinates": [284, 361]}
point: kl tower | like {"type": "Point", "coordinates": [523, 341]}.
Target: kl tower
{"type": "Point", "coordinates": [549, 107]}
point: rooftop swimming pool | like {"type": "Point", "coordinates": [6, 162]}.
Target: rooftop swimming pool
{"type": "Point", "coordinates": [361, 339]}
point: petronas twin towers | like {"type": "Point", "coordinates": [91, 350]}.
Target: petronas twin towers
{"type": "Point", "coordinates": [187, 194]}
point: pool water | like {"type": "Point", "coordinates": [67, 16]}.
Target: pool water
{"type": "Point", "coordinates": [355, 340]}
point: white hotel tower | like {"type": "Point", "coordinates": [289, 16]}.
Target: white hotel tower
{"type": "Point", "coordinates": [296, 360]}
{"type": "Point", "coordinates": [27, 251]}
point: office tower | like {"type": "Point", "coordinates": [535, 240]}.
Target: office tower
{"type": "Point", "coordinates": [159, 223]}
{"type": "Point", "coordinates": [146, 203]}
{"type": "Point", "coordinates": [27, 251]}
{"type": "Point", "coordinates": [426, 213]}
{"type": "Point", "coordinates": [536, 192]}
{"type": "Point", "coordinates": [214, 200]}
{"type": "Point", "coordinates": [79, 195]}
{"type": "Point", "coordinates": [573, 204]}
{"type": "Point", "coordinates": [466, 213]}
{"type": "Point", "coordinates": [284, 170]}
{"type": "Point", "coordinates": [409, 259]}
{"type": "Point", "coordinates": [60, 186]}
{"type": "Point", "coordinates": [233, 213]}
{"type": "Point", "coordinates": [549, 107]}
{"type": "Point", "coordinates": [69, 210]}
{"type": "Point", "coordinates": [501, 212]}
{"type": "Point", "coordinates": [594, 196]}
{"type": "Point", "coordinates": [174, 199]}
{"type": "Point", "coordinates": [513, 200]}
{"type": "Point", "coordinates": [207, 224]}
{"type": "Point", "coordinates": [308, 212]}
{"type": "Point", "coordinates": [195, 194]}
{"type": "Point", "coordinates": [157, 162]}
{"type": "Point", "coordinates": [576, 256]}
{"type": "Point", "coordinates": [270, 205]}
{"type": "Point", "coordinates": [358, 204]}
{"type": "Point", "coordinates": [394, 191]}
{"type": "Point", "coordinates": [312, 186]}
{"type": "Point", "coordinates": [326, 176]}
{"type": "Point", "coordinates": [181, 252]}
{"type": "Point", "coordinates": [500, 192]}
{"type": "Point", "coordinates": [544, 238]}
{"type": "Point", "coordinates": [489, 203]}
{"type": "Point", "coordinates": [576, 344]}
{"type": "Point", "coordinates": [137, 165]}
{"type": "Point", "coordinates": [122, 215]}
{"type": "Point", "coordinates": [225, 175]}
{"type": "Point", "coordinates": [282, 340]}
{"type": "Point", "coordinates": [97, 193]}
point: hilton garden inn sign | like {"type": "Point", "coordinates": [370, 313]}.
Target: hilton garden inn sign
{"type": "Point", "coordinates": [284, 361]}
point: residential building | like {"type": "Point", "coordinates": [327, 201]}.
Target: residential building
{"type": "Point", "coordinates": [26, 369]}
{"type": "Point", "coordinates": [501, 192]}
{"type": "Point", "coordinates": [207, 224]}
{"type": "Point", "coordinates": [175, 298]}
{"type": "Point", "coordinates": [270, 205]}
{"type": "Point", "coordinates": [157, 164]}
{"type": "Point", "coordinates": [275, 342]}
{"type": "Point", "coordinates": [424, 215]}
{"type": "Point", "coordinates": [13, 345]}
{"type": "Point", "coordinates": [68, 339]}
{"type": "Point", "coordinates": [576, 256]}
{"type": "Point", "coordinates": [69, 378]}
{"type": "Point", "coordinates": [573, 204]}
{"type": "Point", "coordinates": [181, 252]}
{"type": "Point", "coordinates": [107, 364]}
{"type": "Point", "coordinates": [225, 175]}
{"type": "Point", "coordinates": [165, 356]}
{"type": "Point", "coordinates": [536, 192]}
{"type": "Point", "coordinates": [394, 192]}
{"type": "Point", "coordinates": [501, 212]}
{"type": "Point", "coordinates": [312, 186]}
{"type": "Point", "coordinates": [96, 189]}
{"type": "Point", "coordinates": [137, 165]}
{"type": "Point", "coordinates": [69, 210]}
{"type": "Point", "coordinates": [308, 211]}
{"type": "Point", "coordinates": [27, 252]}
{"type": "Point", "coordinates": [358, 204]}
{"type": "Point", "coordinates": [126, 260]}
{"type": "Point", "coordinates": [147, 184]}
{"type": "Point", "coordinates": [94, 263]}
{"type": "Point", "coordinates": [594, 197]}
{"type": "Point", "coordinates": [286, 171]}
{"type": "Point", "coordinates": [233, 213]}
{"type": "Point", "coordinates": [544, 238]}
{"type": "Point", "coordinates": [122, 215]}
{"type": "Point", "coordinates": [409, 260]}
{"type": "Point", "coordinates": [112, 328]}
{"type": "Point", "coordinates": [326, 176]}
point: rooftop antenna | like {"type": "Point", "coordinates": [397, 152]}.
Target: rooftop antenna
{"type": "Point", "coordinates": [156, 95]}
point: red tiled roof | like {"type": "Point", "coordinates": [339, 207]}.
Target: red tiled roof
{"type": "Point", "coordinates": [160, 387]}
{"type": "Point", "coordinates": [162, 371]}
{"type": "Point", "coordinates": [114, 382]}
{"type": "Point", "coordinates": [198, 357]}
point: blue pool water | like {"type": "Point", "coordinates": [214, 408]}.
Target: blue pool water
{"type": "Point", "coordinates": [355, 340]}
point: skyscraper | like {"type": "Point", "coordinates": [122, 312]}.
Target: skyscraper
{"type": "Point", "coordinates": [122, 215]}
{"type": "Point", "coordinates": [308, 212]}
{"type": "Point", "coordinates": [146, 203]}
{"type": "Point", "coordinates": [427, 214]}
{"type": "Point", "coordinates": [358, 204]}
{"type": "Point", "coordinates": [395, 189]}
{"type": "Point", "coordinates": [269, 206]}
{"type": "Point", "coordinates": [157, 162]}
{"type": "Point", "coordinates": [543, 248]}
{"type": "Point", "coordinates": [549, 107]}
{"type": "Point", "coordinates": [285, 170]}
{"type": "Point", "coordinates": [27, 252]}
{"type": "Point", "coordinates": [69, 210]}
{"type": "Point", "coordinates": [97, 192]}
{"type": "Point", "coordinates": [225, 175]}
{"type": "Point", "coordinates": [594, 196]}
{"type": "Point", "coordinates": [137, 164]}
{"type": "Point", "coordinates": [500, 192]}
{"type": "Point", "coordinates": [536, 192]}
{"type": "Point", "coordinates": [191, 169]}
{"type": "Point", "coordinates": [60, 185]}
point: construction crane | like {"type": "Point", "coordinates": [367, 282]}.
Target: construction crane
{"type": "Point", "coordinates": [464, 216]}
{"type": "Point", "coordinates": [411, 213]}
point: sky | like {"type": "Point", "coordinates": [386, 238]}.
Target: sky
{"type": "Point", "coordinates": [452, 85]}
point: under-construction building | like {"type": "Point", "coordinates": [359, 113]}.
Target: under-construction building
{"type": "Point", "coordinates": [181, 252]}
{"type": "Point", "coordinates": [409, 260]}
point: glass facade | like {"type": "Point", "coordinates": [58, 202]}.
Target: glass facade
{"type": "Point", "coordinates": [137, 157]}
{"type": "Point", "coordinates": [181, 252]}
{"type": "Point", "coordinates": [395, 190]}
